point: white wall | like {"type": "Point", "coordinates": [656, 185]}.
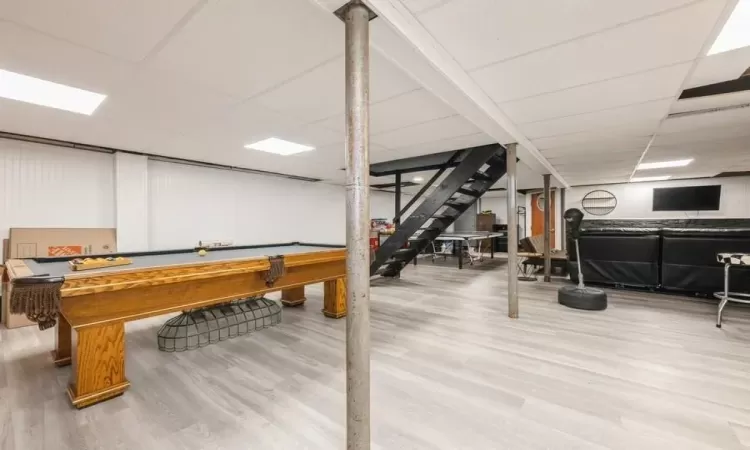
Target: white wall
{"type": "Point", "coordinates": [190, 203]}
{"type": "Point", "coordinates": [43, 186]}
{"type": "Point", "coordinates": [498, 203]}
{"type": "Point", "coordinates": [131, 202]}
{"type": "Point", "coordinates": [158, 205]}
{"type": "Point", "coordinates": [635, 200]}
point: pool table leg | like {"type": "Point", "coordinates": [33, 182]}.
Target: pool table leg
{"type": "Point", "coordinates": [334, 298]}
{"type": "Point", "coordinates": [98, 364]}
{"type": "Point", "coordinates": [63, 342]}
{"type": "Point", "coordinates": [293, 296]}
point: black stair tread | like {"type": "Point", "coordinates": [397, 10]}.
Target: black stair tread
{"type": "Point", "coordinates": [399, 262]}
{"type": "Point", "coordinates": [443, 216]}
{"type": "Point", "coordinates": [472, 192]}
{"type": "Point", "coordinates": [430, 228]}
{"type": "Point", "coordinates": [403, 251]}
{"type": "Point", "coordinates": [496, 159]}
{"type": "Point", "coordinates": [479, 175]}
{"type": "Point", "coordinates": [455, 204]}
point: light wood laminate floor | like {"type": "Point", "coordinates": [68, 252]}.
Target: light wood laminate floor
{"type": "Point", "coordinates": [449, 371]}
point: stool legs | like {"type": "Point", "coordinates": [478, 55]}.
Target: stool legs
{"type": "Point", "coordinates": [722, 304]}
{"type": "Point", "coordinates": [725, 298]}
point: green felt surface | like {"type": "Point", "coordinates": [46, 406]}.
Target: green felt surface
{"type": "Point", "coordinates": [57, 268]}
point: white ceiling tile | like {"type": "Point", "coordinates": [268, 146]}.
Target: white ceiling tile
{"type": "Point", "coordinates": [657, 41]}
{"type": "Point", "coordinates": [638, 88]}
{"type": "Point", "coordinates": [597, 148]}
{"type": "Point", "coordinates": [711, 102]}
{"type": "Point", "coordinates": [651, 111]}
{"type": "Point", "coordinates": [33, 120]}
{"type": "Point", "coordinates": [37, 55]}
{"type": "Point", "coordinates": [478, 32]}
{"type": "Point", "coordinates": [126, 30]}
{"type": "Point", "coordinates": [603, 154]}
{"type": "Point", "coordinates": [597, 164]}
{"type": "Point", "coordinates": [411, 108]}
{"type": "Point", "coordinates": [416, 107]}
{"type": "Point", "coordinates": [319, 93]}
{"type": "Point", "coordinates": [706, 120]}
{"type": "Point", "coordinates": [598, 179]}
{"type": "Point", "coordinates": [244, 47]}
{"type": "Point", "coordinates": [720, 67]}
{"type": "Point", "coordinates": [700, 135]}
{"type": "Point", "coordinates": [417, 6]}
{"type": "Point", "coordinates": [639, 131]}
{"type": "Point", "coordinates": [435, 131]}
{"type": "Point", "coordinates": [152, 100]}
{"type": "Point", "coordinates": [704, 151]}
{"type": "Point", "coordinates": [455, 143]}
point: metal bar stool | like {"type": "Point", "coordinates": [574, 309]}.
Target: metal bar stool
{"type": "Point", "coordinates": [729, 260]}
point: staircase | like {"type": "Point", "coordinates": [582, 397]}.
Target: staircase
{"type": "Point", "coordinates": [479, 169]}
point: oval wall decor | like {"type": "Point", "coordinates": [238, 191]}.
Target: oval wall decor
{"type": "Point", "coordinates": [599, 202]}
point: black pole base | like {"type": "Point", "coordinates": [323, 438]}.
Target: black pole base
{"type": "Point", "coordinates": [589, 299]}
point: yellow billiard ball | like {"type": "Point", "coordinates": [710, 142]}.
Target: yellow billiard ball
{"type": "Point", "coordinates": [202, 252]}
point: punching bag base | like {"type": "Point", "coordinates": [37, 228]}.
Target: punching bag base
{"type": "Point", "coordinates": [590, 299]}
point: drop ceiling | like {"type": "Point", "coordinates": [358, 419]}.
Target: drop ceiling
{"type": "Point", "coordinates": [584, 86]}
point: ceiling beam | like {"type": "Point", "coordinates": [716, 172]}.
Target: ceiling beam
{"type": "Point", "coordinates": [401, 38]}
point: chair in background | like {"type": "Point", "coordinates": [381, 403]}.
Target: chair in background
{"type": "Point", "coordinates": [729, 260]}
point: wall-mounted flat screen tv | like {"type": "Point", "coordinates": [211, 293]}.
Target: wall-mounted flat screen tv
{"type": "Point", "coordinates": [688, 198]}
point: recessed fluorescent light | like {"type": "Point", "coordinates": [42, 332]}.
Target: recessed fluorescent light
{"type": "Point", "coordinates": [418, 179]}
{"type": "Point", "coordinates": [736, 32]}
{"type": "Point", "coordinates": [46, 93]}
{"type": "Point", "coordinates": [279, 147]}
{"type": "Point", "coordinates": [659, 178]}
{"type": "Point", "coordinates": [664, 164]}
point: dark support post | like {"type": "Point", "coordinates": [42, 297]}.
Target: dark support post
{"type": "Point", "coordinates": [512, 232]}
{"type": "Point", "coordinates": [563, 231]}
{"type": "Point", "coordinates": [397, 217]}
{"type": "Point", "coordinates": [460, 253]}
{"type": "Point", "coordinates": [547, 217]}
{"type": "Point", "coordinates": [356, 17]}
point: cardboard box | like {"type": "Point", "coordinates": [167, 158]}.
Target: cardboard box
{"type": "Point", "coordinates": [51, 242]}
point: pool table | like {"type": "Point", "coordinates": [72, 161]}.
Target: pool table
{"type": "Point", "coordinates": [91, 307]}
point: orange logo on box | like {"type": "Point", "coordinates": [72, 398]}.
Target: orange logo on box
{"type": "Point", "coordinates": [65, 250]}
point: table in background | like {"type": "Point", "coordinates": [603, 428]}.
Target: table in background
{"type": "Point", "coordinates": [95, 304]}
{"type": "Point", "coordinates": [467, 238]}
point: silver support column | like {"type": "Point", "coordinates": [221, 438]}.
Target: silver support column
{"type": "Point", "coordinates": [563, 229]}
{"type": "Point", "coordinates": [547, 217]}
{"type": "Point", "coordinates": [512, 232]}
{"type": "Point", "coordinates": [357, 16]}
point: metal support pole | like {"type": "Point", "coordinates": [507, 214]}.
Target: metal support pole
{"type": "Point", "coordinates": [512, 232]}
{"type": "Point", "coordinates": [397, 217]}
{"type": "Point", "coordinates": [547, 217]}
{"type": "Point", "coordinates": [357, 55]}
{"type": "Point", "coordinates": [563, 229]}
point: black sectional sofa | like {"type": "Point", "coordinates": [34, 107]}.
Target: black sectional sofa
{"type": "Point", "coordinates": [674, 255]}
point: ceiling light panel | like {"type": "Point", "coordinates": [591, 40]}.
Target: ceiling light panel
{"type": "Point", "coordinates": [279, 147]}
{"type": "Point", "coordinates": [16, 86]}
{"type": "Point", "coordinates": [736, 32]}
{"type": "Point", "coordinates": [642, 179]}
{"type": "Point", "coordinates": [664, 164]}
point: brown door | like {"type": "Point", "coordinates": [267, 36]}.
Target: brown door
{"type": "Point", "coordinates": [537, 217]}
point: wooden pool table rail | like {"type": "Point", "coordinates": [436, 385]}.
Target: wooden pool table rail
{"type": "Point", "coordinates": [90, 332]}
